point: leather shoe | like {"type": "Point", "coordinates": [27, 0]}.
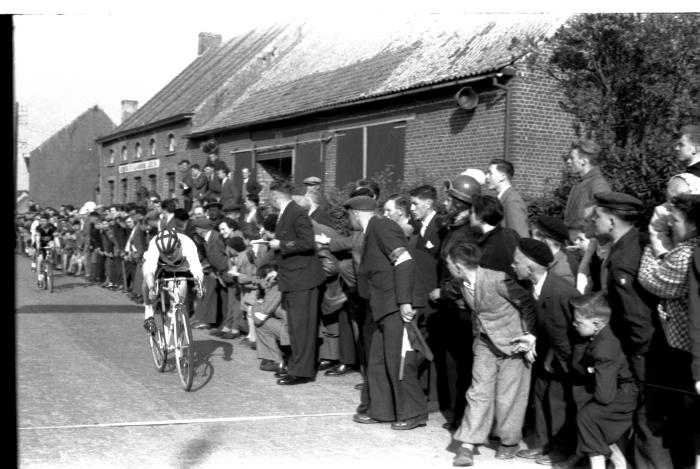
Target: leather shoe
{"type": "Point", "coordinates": [410, 424]}
{"type": "Point", "coordinates": [281, 372]}
{"type": "Point", "coordinates": [291, 380]}
{"type": "Point", "coordinates": [531, 453]}
{"type": "Point", "coordinates": [507, 452]}
{"type": "Point", "coordinates": [451, 426]}
{"type": "Point", "coordinates": [464, 457]}
{"type": "Point", "coordinates": [339, 369]}
{"type": "Point", "coordinates": [359, 386]}
{"type": "Point", "coordinates": [269, 365]}
{"type": "Point", "coordinates": [326, 364]}
{"type": "Point", "coordinates": [364, 418]}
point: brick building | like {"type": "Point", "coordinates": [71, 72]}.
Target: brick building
{"type": "Point", "coordinates": [350, 101]}
{"type": "Point", "coordinates": [65, 168]}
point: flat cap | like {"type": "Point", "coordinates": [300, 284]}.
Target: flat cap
{"type": "Point", "coordinates": [312, 181]}
{"type": "Point", "coordinates": [212, 204]}
{"type": "Point", "coordinates": [361, 202]}
{"type": "Point", "coordinates": [202, 223]}
{"type": "Point", "coordinates": [553, 228]}
{"type": "Point", "coordinates": [618, 201]}
{"type": "Point", "coordinates": [536, 250]}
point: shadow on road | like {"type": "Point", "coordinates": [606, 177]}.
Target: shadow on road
{"type": "Point", "coordinates": [194, 452]}
{"type": "Point", "coordinates": [38, 309]}
{"type": "Point", "coordinates": [203, 369]}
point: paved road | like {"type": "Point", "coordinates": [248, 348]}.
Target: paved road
{"type": "Point", "coordinates": [88, 396]}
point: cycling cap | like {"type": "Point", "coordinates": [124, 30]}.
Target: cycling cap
{"type": "Point", "coordinates": [167, 241]}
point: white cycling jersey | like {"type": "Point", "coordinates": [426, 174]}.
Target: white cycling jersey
{"type": "Point", "coordinates": [190, 259]}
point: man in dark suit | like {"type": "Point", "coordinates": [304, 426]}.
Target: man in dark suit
{"type": "Point", "coordinates": [199, 183]}
{"type": "Point", "coordinates": [498, 179]}
{"type": "Point", "coordinates": [300, 275]}
{"type": "Point", "coordinates": [186, 183]}
{"type": "Point", "coordinates": [386, 279]}
{"type": "Point", "coordinates": [209, 309]}
{"type": "Point", "coordinates": [249, 186]}
{"type": "Point", "coordinates": [213, 183]}
{"type": "Point", "coordinates": [554, 408]}
{"type": "Point", "coordinates": [229, 193]}
{"type": "Point", "coordinates": [634, 320]}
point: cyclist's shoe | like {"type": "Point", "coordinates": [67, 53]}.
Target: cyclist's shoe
{"type": "Point", "coordinates": [33, 266]}
{"type": "Point", "coordinates": [150, 325]}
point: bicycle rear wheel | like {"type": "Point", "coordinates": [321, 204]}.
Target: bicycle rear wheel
{"type": "Point", "coordinates": [159, 349]}
{"type": "Point", "coordinates": [184, 351]}
{"type": "Point", "coordinates": [49, 276]}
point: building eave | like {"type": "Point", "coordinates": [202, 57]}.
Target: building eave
{"type": "Point", "coordinates": [146, 127]}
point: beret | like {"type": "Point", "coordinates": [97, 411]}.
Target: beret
{"type": "Point", "coordinates": [553, 228]}
{"type": "Point", "coordinates": [202, 223]}
{"type": "Point", "coordinates": [618, 201]}
{"type": "Point", "coordinates": [361, 202]}
{"type": "Point", "coordinates": [230, 206]}
{"type": "Point", "coordinates": [536, 250]}
{"type": "Point", "coordinates": [212, 204]}
{"type": "Point", "coordinates": [312, 181]}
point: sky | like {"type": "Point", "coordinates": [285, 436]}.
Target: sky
{"type": "Point", "coordinates": [72, 55]}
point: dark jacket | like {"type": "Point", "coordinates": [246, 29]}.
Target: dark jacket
{"type": "Point", "coordinates": [298, 268]}
{"type": "Point", "coordinates": [633, 308]}
{"type": "Point", "coordinates": [554, 318]}
{"type": "Point", "coordinates": [694, 313]}
{"type": "Point", "coordinates": [385, 285]}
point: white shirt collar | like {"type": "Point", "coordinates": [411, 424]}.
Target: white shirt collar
{"type": "Point", "coordinates": [538, 285]}
{"type": "Point", "coordinates": [283, 205]}
{"type": "Point", "coordinates": [501, 192]}
{"type": "Point", "coordinates": [426, 221]}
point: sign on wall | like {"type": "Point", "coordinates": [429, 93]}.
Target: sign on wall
{"type": "Point", "coordinates": [140, 166]}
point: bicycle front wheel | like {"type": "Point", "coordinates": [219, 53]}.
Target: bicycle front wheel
{"type": "Point", "coordinates": [49, 277]}
{"type": "Point", "coordinates": [159, 349]}
{"type": "Point", "coordinates": [184, 351]}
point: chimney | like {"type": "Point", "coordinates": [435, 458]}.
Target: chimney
{"type": "Point", "coordinates": [208, 41]}
{"type": "Point", "coordinates": [128, 108]}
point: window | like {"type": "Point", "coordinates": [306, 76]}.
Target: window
{"type": "Point", "coordinates": [125, 190]}
{"type": "Point", "coordinates": [171, 185]}
{"type": "Point", "coordinates": [137, 186]}
{"type": "Point", "coordinates": [137, 147]}
{"type": "Point", "coordinates": [365, 152]}
{"type": "Point", "coordinates": [110, 193]}
{"type": "Point", "coordinates": [152, 183]}
{"type": "Point", "coordinates": [171, 143]}
{"type": "Point", "coordinates": [152, 146]}
{"type": "Point", "coordinates": [124, 153]}
{"type": "Point", "coordinates": [111, 156]}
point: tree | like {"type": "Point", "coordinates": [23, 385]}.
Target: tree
{"type": "Point", "coordinates": [631, 81]}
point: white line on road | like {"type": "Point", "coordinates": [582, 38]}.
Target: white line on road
{"type": "Point", "coordinates": [185, 421]}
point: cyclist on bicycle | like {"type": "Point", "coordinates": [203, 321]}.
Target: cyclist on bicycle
{"type": "Point", "coordinates": [169, 252]}
{"type": "Point", "coordinates": [45, 236]}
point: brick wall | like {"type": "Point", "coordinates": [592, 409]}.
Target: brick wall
{"type": "Point", "coordinates": [541, 131]}
{"type": "Point", "coordinates": [65, 168]}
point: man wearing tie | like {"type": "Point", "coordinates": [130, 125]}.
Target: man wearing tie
{"type": "Point", "coordinates": [249, 186]}
{"type": "Point", "coordinates": [299, 276]}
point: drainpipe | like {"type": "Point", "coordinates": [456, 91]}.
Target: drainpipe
{"type": "Point", "coordinates": [507, 132]}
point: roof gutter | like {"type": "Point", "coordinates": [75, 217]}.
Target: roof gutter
{"type": "Point", "coordinates": [144, 128]}
{"type": "Point", "coordinates": [503, 71]}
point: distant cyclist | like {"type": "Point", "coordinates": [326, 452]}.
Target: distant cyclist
{"type": "Point", "coordinates": [45, 235]}
{"type": "Point", "coordinates": [169, 253]}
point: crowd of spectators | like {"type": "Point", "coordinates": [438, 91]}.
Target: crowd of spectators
{"type": "Point", "coordinates": [582, 331]}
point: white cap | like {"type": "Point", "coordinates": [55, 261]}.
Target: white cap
{"type": "Point", "coordinates": [477, 174]}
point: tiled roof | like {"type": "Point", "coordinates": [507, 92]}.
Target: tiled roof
{"type": "Point", "coordinates": [298, 68]}
{"type": "Point", "coordinates": [330, 65]}
{"type": "Point", "coordinates": [188, 90]}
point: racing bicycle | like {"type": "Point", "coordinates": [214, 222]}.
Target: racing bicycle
{"type": "Point", "coordinates": [173, 331]}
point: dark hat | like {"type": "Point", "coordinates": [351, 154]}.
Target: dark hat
{"type": "Point", "coordinates": [219, 164]}
{"type": "Point", "coordinates": [212, 204]}
{"type": "Point", "coordinates": [536, 250]}
{"type": "Point", "coordinates": [361, 202]}
{"type": "Point", "coordinates": [230, 206]}
{"type": "Point", "coordinates": [553, 228]}
{"type": "Point", "coordinates": [202, 223]}
{"type": "Point", "coordinates": [312, 181]}
{"type": "Point", "coordinates": [618, 201]}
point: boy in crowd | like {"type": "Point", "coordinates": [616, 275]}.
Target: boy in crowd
{"type": "Point", "coordinates": [503, 314]}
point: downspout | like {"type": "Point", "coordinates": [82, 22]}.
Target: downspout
{"type": "Point", "coordinates": [507, 131]}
